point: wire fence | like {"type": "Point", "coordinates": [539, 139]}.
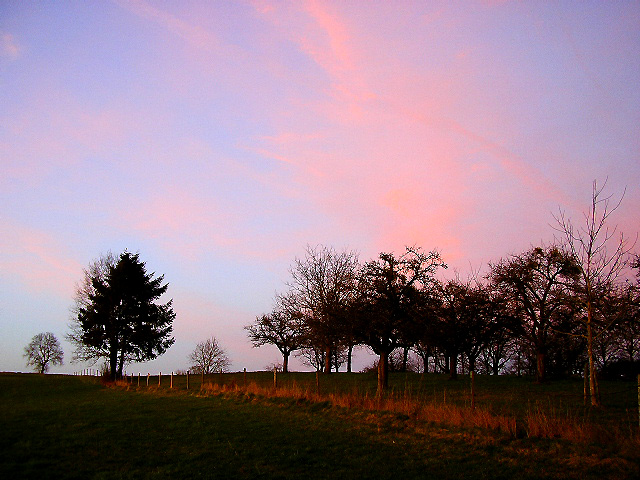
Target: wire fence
{"type": "Point", "coordinates": [502, 394]}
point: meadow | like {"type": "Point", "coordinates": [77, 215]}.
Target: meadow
{"type": "Point", "coordinates": [240, 426]}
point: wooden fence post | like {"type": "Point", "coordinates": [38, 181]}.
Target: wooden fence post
{"type": "Point", "coordinates": [159, 378]}
{"type": "Point", "coordinates": [244, 377]}
{"type": "Point", "coordinates": [171, 384]}
{"type": "Point", "coordinates": [187, 379]}
{"type": "Point", "coordinates": [148, 378]}
{"type": "Point", "coordinates": [275, 378]}
{"type": "Point", "coordinates": [138, 378]}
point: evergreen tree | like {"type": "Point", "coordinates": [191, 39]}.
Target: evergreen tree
{"type": "Point", "coordinates": [121, 320]}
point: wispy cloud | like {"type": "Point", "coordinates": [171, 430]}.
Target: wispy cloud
{"type": "Point", "coordinates": [9, 48]}
{"type": "Point", "coordinates": [66, 132]}
{"type": "Point", "coordinates": [195, 35]}
{"type": "Point", "coordinates": [221, 137]}
{"type": "Point", "coordinates": [37, 259]}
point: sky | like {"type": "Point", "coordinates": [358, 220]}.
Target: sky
{"type": "Point", "coordinates": [219, 139]}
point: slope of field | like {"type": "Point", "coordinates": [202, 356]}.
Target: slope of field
{"type": "Point", "coordinates": [73, 427]}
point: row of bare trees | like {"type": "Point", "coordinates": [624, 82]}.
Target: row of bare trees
{"type": "Point", "coordinates": [556, 306]}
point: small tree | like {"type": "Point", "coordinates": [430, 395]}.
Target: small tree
{"type": "Point", "coordinates": [284, 328]}
{"type": "Point", "coordinates": [43, 350]}
{"type": "Point", "coordinates": [209, 357]}
{"type": "Point", "coordinates": [602, 254]}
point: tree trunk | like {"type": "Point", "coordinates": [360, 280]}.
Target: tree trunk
{"type": "Point", "coordinates": [405, 358]}
{"type": "Point", "coordinates": [327, 360]}
{"type": "Point", "coordinates": [113, 363]}
{"type": "Point", "coordinates": [349, 355]}
{"type": "Point", "coordinates": [472, 364]}
{"type": "Point", "coordinates": [453, 367]}
{"type": "Point", "coordinates": [540, 363]}
{"type": "Point", "coordinates": [383, 372]}
{"type": "Point", "coordinates": [285, 362]}
{"type": "Point", "coordinates": [120, 365]}
{"type": "Point", "coordinates": [496, 366]}
{"type": "Point", "coordinates": [425, 363]}
{"type": "Point", "coordinates": [595, 400]}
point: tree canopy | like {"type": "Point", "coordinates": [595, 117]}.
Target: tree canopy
{"type": "Point", "coordinates": [545, 311]}
{"type": "Point", "coordinates": [283, 327]}
{"type": "Point", "coordinates": [43, 351]}
{"type": "Point", "coordinates": [537, 282]}
{"type": "Point", "coordinates": [322, 286]}
{"type": "Point", "coordinates": [118, 318]}
{"type": "Point", "coordinates": [209, 357]}
{"type": "Point", "coordinates": [391, 293]}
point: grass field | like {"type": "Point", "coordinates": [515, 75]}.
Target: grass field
{"type": "Point", "coordinates": [55, 426]}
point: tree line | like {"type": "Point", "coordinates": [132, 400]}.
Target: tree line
{"type": "Point", "coordinates": [546, 311]}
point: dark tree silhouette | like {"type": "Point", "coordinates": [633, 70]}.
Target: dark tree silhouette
{"type": "Point", "coordinates": [502, 336]}
{"type": "Point", "coordinates": [390, 299]}
{"type": "Point", "coordinates": [209, 357]}
{"type": "Point", "coordinates": [43, 351]}
{"type": "Point", "coordinates": [627, 330]}
{"type": "Point", "coordinates": [465, 322]}
{"type": "Point", "coordinates": [323, 286]}
{"type": "Point", "coordinates": [537, 282]}
{"type": "Point", "coordinates": [284, 328]}
{"type": "Point", "coordinates": [120, 320]}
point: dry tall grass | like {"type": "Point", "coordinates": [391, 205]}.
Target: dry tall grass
{"type": "Point", "coordinates": [538, 422]}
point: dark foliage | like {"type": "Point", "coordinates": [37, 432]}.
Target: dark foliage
{"type": "Point", "coordinates": [121, 321]}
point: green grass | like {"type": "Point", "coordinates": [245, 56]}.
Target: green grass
{"type": "Point", "coordinates": [73, 427]}
{"type": "Point", "coordinates": [502, 395]}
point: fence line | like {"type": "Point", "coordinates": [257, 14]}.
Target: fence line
{"type": "Point", "coordinates": [472, 394]}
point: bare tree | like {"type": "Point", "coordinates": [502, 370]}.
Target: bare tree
{"type": "Point", "coordinates": [537, 285]}
{"type": "Point", "coordinates": [602, 254]}
{"type": "Point", "coordinates": [313, 357]}
{"type": "Point", "coordinates": [209, 357]}
{"type": "Point", "coordinates": [465, 321]}
{"type": "Point", "coordinates": [284, 328]}
{"type": "Point", "coordinates": [323, 285]}
{"type": "Point", "coordinates": [391, 296]}
{"type": "Point", "coordinates": [43, 350]}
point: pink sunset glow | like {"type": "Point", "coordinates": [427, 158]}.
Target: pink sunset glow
{"type": "Point", "coordinates": [220, 138]}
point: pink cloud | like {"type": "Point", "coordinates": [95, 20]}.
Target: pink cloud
{"type": "Point", "coordinates": [415, 151]}
{"type": "Point", "coordinates": [324, 35]}
{"type": "Point", "coordinates": [38, 259]}
{"type": "Point", "coordinates": [181, 222]}
{"type": "Point", "coordinates": [54, 131]}
{"type": "Point", "coordinates": [195, 35]}
{"type": "Point", "coordinates": [9, 48]}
